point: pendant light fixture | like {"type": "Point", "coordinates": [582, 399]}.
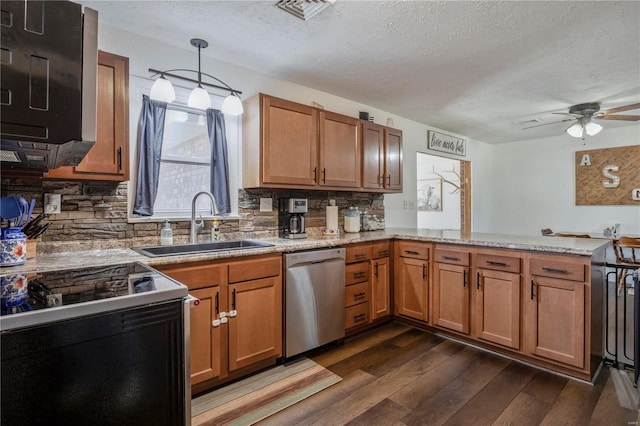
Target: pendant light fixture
{"type": "Point", "coordinates": [162, 89]}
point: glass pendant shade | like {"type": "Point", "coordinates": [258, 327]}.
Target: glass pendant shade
{"type": "Point", "coordinates": [162, 90]}
{"type": "Point", "coordinates": [592, 128]}
{"type": "Point", "coordinates": [199, 98]}
{"type": "Point", "coordinates": [232, 105]}
{"type": "Point", "coordinates": [576, 130]}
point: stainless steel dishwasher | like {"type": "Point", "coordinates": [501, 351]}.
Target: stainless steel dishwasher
{"type": "Point", "coordinates": [314, 299]}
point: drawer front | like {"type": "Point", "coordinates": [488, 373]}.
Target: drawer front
{"type": "Point", "coordinates": [557, 269]}
{"type": "Point", "coordinates": [356, 315]}
{"type": "Point", "coordinates": [356, 293]}
{"type": "Point", "coordinates": [196, 276]}
{"type": "Point", "coordinates": [379, 250]}
{"type": "Point", "coordinates": [413, 250]}
{"type": "Point", "coordinates": [356, 273]}
{"type": "Point", "coordinates": [248, 270]}
{"type": "Point", "coordinates": [498, 263]}
{"type": "Point", "coordinates": [358, 253]}
{"type": "Point", "coordinates": [452, 257]}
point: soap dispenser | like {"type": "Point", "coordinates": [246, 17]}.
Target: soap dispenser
{"type": "Point", "coordinates": [166, 234]}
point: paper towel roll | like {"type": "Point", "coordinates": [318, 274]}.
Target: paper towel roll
{"type": "Point", "coordinates": [332, 217]}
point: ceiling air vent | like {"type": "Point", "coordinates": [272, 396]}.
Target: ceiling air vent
{"type": "Point", "coordinates": [304, 9]}
{"type": "Point", "coordinates": [529, 122]}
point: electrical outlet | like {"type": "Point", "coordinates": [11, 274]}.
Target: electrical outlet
{"type": "Point", "coordinates": [52, 203]}
{"type": "Point", "coordinates": [406, 204]}
{"type": "Point", "coordinates": [266, 204]}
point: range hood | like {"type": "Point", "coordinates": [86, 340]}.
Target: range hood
{"type": "Point", "coordinates": [48, 84]}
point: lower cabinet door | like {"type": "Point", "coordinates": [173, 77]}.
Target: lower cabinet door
{"type": "Point", "coordinates": [554, 325]}
{"type": "Point", "coordinates": [380, 289]}
{"type": "Point", "coordinates": [205, 338]}
{"type": "Point", "coordinates": [255, 321]}
{"type": "Point", "coordinates": [412, 288]}
{"type": "Point", "coordinates": [451, 297]}
{"type": "Point", "coordinates": [497, 303]}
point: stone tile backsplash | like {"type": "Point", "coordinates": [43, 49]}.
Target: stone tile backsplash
{"type": "Point", "coordinates": [94, 214]}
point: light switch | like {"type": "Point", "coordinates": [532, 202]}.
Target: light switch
{"type": "Point", "coordinates": [266, 204]}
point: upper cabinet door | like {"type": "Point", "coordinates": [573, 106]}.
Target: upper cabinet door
{"type": "Point", "coordinates": [108, 159]}
{"type": "Point", "coordinates": [289, 143]}
{"type": "Point", "coordinates": [393, 160]}
{"type": "Point", "coordinates": [339, 151]}
{"type": "Point", "coordinates": [372, 155]}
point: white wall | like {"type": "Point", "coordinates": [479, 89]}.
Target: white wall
{"type": "Point", "coordinates": [534, 185]}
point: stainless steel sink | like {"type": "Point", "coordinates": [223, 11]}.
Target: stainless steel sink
{"type": "Point", "coordinates": [177, 249]}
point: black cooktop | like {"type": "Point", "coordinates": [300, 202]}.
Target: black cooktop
{"type": "Point", "coordinates": [122, 285]}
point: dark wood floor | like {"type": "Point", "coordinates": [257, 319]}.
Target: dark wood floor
{"type": "Point", "coordinates": [398, 375]}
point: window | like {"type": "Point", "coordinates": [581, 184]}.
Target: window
{"type": "Point", "coordinates": [186, 156]}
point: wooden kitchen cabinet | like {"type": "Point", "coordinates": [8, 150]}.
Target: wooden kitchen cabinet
{"type": "Point", "coordinates": [339, 151]}
{"type": "Point", "coordinates": [555, 310]}
{"type": "Point", "coordinates": [380, 281]}
{"type": "Point", "coordinates": [381, 158]}
{"type": "Point", "coordinates": [451, 306]}
{"type": "Point", "coordinates": [497, 295]}
{"type": "Point", "coordinates": [206, 342]}
{"type": "Point", "coordinates": [411, 280]}
{"type": "Point", "coordinates": [108, 159]}
{"type": "Point", "coordinates": [298, 146]}
{"type": "Point", "coordinates": [237, 326]}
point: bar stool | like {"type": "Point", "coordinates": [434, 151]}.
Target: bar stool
{"type": "Point", "coordinates": [626, 261]}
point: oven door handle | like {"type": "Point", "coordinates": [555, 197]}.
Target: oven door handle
{"type": "Point", "coordinates": [190, 302]}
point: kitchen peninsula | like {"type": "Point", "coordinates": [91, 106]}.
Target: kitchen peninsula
{"type": "Point", "coordinates": [533, 298]}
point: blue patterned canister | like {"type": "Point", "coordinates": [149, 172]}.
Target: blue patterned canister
{"type": "Point", "coordinates": [13, 247]}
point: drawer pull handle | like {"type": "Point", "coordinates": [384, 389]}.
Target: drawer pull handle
{"type": "Point", "coordinates": [457, 259]}
{"type": "Point", "coordinates": [411, 252]}
{"type": "Point", "coordinates": [233, 300]}
{"type": "Point", "coordinates": [376, 270]}
{"type": "Point", "coordinates": [217, 302]}
{"type": "Point", "coordinates": [424, 271]}
{"type": "Point", "coordinates": [361, 255]}
{"type": "Point", "coordinates": [359, 317]}
{"type": "Point", "coordinates": [464, 279]}
{"type": "Point", "coordinates": [478, 281]}
{"type": "Point", "coordinates": [359, 295]}
{"type": "Point", "coordinates": [494, 263]}
{"type": "Point", "coordinates": [383, 253]}
{"type": "Point", "coordinates": [358, 274]}
{"type": "Point", "coordinates": [555, 271]}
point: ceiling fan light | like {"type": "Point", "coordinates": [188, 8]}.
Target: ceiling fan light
{"type": "Point", "coordinates": [576, 130]}
{"type": "Point", "coordinates": [199, 98]}
{"type": "Point", "coordinates": [592, 128]}
{"type": "Point", "coordinates": [162, 90]}
{"type": "Point", "coordinates": [232, 105]}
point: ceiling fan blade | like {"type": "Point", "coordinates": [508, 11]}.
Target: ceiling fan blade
{"type": "Point", "coordinates": [546, 124]}
{"type": "Point", "coordinates": [622, 108]}
{"type": "Point", "coordinates": [568, 113]}
{"type": "Point", "coordinates": [619, 117]}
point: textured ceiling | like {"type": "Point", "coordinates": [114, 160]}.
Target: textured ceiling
{"type": "Point", "coordinates": [474, 68]}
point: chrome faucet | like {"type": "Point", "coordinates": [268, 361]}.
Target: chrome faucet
{"type": "Point", "coordinates": [197, 226]}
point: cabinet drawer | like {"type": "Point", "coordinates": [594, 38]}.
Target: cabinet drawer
{"type": "Point", "coordinates": [196, 276]}
{"type": "Point", "coordinates": [358, 253]}
{"type": "Point", "coordinates": [498, 263]}
{"type": "Point", "coordinates": [248, 270]}
{"type": "Point", "coordinates": [379, 250]}
{"type": "Point", "coordinates": [557, 269]}
{"type": "Point", "coordinates": [452, 257]}
{"type": "Point", "coordinates": [356, 273]}
{"type": "Point", "coordinates": [356, 293]}
{"type": "Point", "coordinates": [414, 250]}
{"type": "Point", "coordinates": [356, 315]}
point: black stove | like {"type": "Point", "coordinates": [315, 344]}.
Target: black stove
{"type": "Point", "coordinates": [68, 293]}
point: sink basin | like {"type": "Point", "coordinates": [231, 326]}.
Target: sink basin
{"type": "Point", "coordinates": [177, 249]}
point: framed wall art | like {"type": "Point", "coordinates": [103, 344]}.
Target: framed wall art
{"type": "Point", "coordinates": [429, 195]}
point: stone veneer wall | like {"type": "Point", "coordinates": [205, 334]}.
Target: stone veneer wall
{"type": "Point", "coordinates": [94, 214]}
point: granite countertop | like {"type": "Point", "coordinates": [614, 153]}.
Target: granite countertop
{"type": "Point", "coordinates": [79, 259]}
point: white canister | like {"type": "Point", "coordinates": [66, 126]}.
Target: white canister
{"type": "Point", "coordinates": [352, 220]}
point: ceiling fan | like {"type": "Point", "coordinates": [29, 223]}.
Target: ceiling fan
{"type": "Point", "coordinates": [584, 114]}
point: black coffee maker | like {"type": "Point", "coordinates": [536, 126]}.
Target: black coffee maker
{"type": "Point", "coordinates": [291, 217]}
